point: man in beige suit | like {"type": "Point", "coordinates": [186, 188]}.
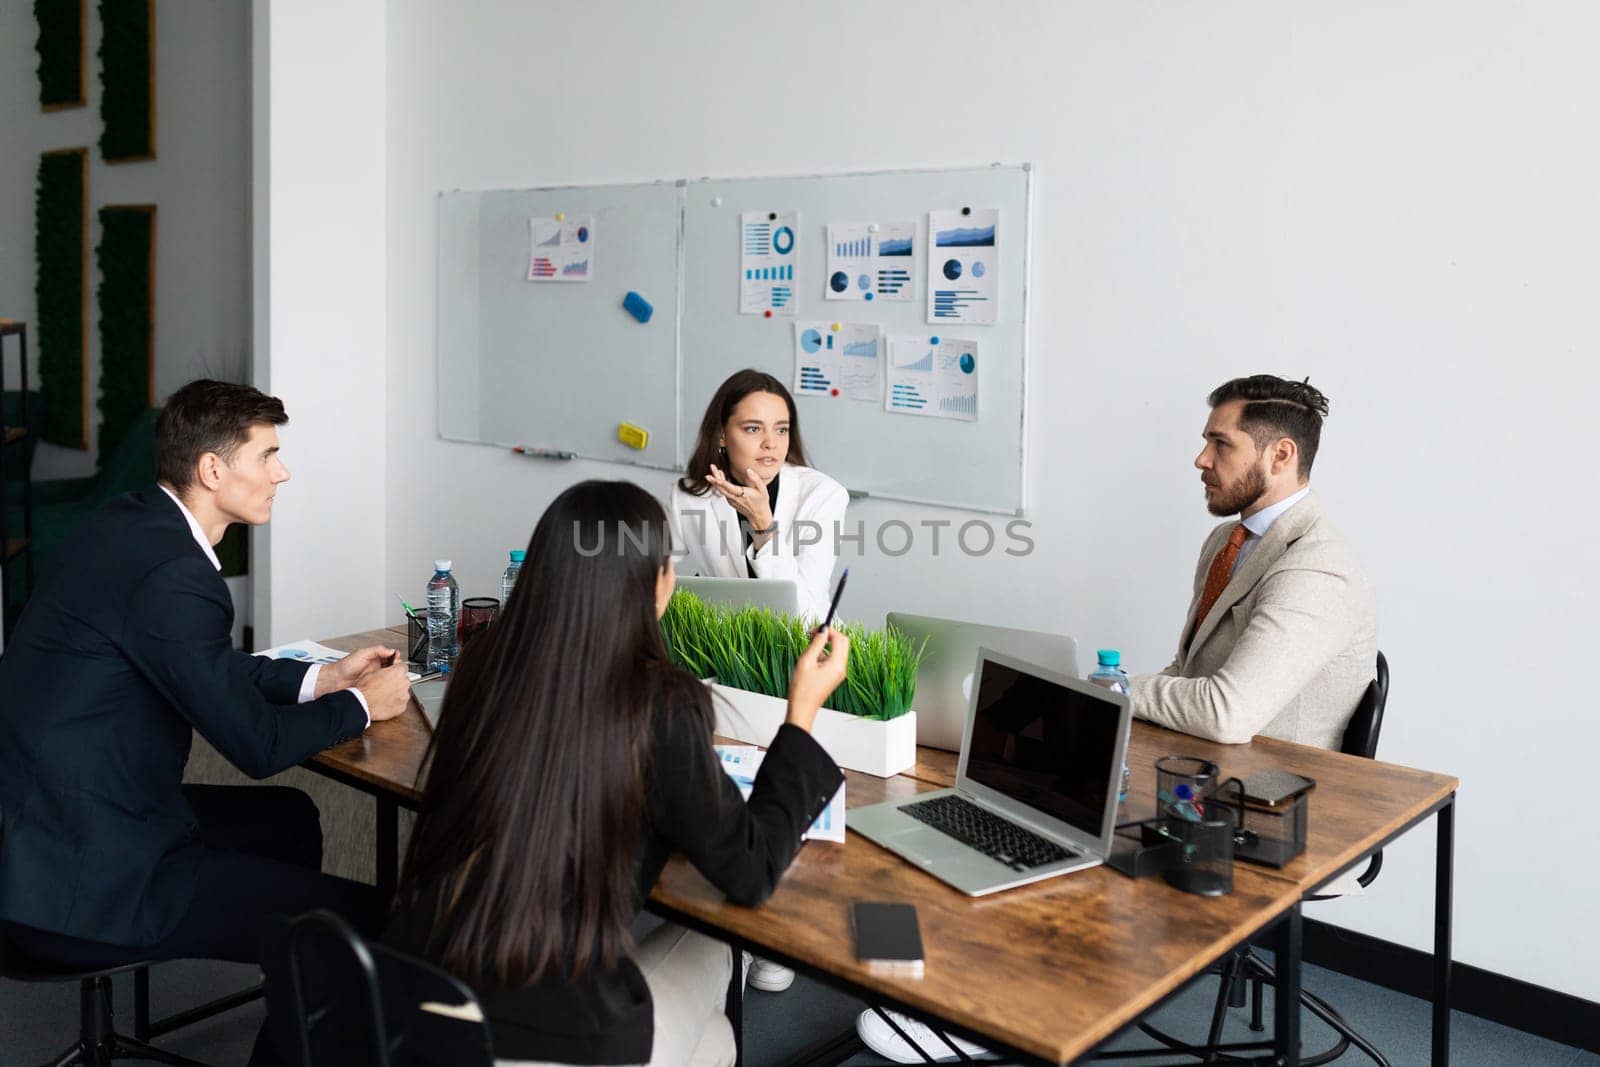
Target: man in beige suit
{"type": "Point", "coordinates": [1282, 633]}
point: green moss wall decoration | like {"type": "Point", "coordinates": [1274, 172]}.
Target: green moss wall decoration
{"type": "Point", "coordinates": [61, 251]}
{"type": "Point", "coordinates": [60, 48]}
{"type": "Point", "coordinates": [126, 258]}
{"type": "Point", "coordinates": [127, 80]}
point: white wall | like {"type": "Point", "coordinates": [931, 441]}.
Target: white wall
{"type": "Point", "coordinates": [1396, 199]}
{"type": "Point", "coordinates": [318, 202]}
{"type": "Point", "coordinates": [198, 182]}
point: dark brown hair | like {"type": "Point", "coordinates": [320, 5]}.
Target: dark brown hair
{"type": "Point", "coordinates": [208, 416]}
{"type": "Point", "coordinates": [719, 411]}
{"type": "Point", "coordinates": [526, 837]}
{"type": "Point", "coordinates": [1275, 407]}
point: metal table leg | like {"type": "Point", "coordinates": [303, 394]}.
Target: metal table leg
{"type": "Point", "coordinates": [733, 1005]}
{"type": "Point", "coordinates": [388, 847]}
{"type": "Point", "coordinates": [1286, 1000]}
{"type": "Point", "coordinates": [1443, 879]}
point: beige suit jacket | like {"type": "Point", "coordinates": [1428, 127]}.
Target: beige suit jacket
{"type": "Point", "coordinates": [1288, 649]}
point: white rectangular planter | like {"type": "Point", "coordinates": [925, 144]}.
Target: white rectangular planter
{"type": "Point", "coordinates": [873, 746]}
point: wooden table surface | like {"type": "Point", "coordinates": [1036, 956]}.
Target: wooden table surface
{"type": "Point", "coordinates": [1051, 970]}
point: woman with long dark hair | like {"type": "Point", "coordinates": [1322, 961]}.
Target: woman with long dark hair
{"type": "Point", "coordinates": [749, 506]}
{"type": "Point", "coordinates": [571, 759]}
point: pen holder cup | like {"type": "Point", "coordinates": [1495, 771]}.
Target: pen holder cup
{"type": "Point", "coordinates": [1185, 781]}
{"type": "Point", "coordinates": [477, 615]}
{"type": "Point", "coordinates": [417, 638]}
{"type": "Point", "coordinates": [1201, 858]}
{"type": "Point", "coordinates": [1270, 835]}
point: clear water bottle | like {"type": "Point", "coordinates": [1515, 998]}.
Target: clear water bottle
{"type": "Point", "coordinates": [1111, 675]}
{"type": "Point", "coordinates": [444, 608]}
{"type": "Point", "coordinates": [508, 580]}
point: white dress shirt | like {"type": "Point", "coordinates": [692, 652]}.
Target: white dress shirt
{"type": "Point", "coordinates": [1258, 524]}
{"type": "Point", "coordinates": [308, 684]}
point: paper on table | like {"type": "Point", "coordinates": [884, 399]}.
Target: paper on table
{"type": "Point", "coordinates": [315, 654]}
{"type": "Point", "coordinates": [741, 762]}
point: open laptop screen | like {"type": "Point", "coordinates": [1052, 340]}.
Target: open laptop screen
{"type": "Point", "coordinates": [1044, 745]}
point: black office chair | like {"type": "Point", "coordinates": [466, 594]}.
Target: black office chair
{"type": "Point", "coordinates": [334, 1000]}
{"type": "Point", "coordinates": [1360, 739]}
{"type": "Point", "coordinates": [98, 1041]}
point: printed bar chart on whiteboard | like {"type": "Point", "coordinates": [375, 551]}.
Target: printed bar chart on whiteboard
{"type": "Point", "coordinates": [562, 249]}
{"type": "Point", "coordinates": [870, 261]}
{"type": "Point", "coordinates": [767, 261]}
{"type": "Point", "coordinates": [963, 266]}
{"type": "Point", "coordinates": [933, 376]}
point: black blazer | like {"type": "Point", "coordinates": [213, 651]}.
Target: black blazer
{"type": "Point", "coordinates": [692, 807]}
{"type": "Point", "coordinates": [123, 648]}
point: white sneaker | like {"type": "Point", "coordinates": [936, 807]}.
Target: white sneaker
{"type": "Point", "coordinates": [769, 977]}
{"type": "Point", "coordinates": [876, 1033]}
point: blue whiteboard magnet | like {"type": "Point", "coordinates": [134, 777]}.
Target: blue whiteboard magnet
{"type": "Point", "coordinates": [638, 306]}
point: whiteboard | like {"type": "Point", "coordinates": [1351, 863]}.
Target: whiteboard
{"type": "Point", "coordinates": [557, 366]}
{"type": "Point", "coordinates": [972, 465]}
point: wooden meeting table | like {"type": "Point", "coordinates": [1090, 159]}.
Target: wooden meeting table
{"type": "Point", "coordinates": [1044, 973]}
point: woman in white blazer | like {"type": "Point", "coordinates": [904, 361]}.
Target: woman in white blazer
{"type": "Point", "coordinates": [749, 506]}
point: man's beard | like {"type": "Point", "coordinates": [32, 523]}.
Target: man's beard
{"type": "Point", "coordinates": [1232, 499]}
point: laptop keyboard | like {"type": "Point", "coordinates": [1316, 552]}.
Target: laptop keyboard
{"type": "Point", "coordinates": [995, 837]}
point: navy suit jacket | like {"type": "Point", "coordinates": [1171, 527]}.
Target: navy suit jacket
{"type": "Point", "coordinates": [122, 650]}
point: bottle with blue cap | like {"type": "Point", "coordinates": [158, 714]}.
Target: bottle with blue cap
{"type": "Point", "coordinates": [508, 580]}
{"type": "Point", "coordinates": [444, 608]}
{"type": "Point", "coordinates": [1110, 675]}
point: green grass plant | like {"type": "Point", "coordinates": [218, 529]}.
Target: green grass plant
{"type": "Point", "coordinates": [756, 649]}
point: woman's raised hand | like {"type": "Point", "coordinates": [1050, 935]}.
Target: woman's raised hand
{"type": "Point", "coordinates": [817, 674]}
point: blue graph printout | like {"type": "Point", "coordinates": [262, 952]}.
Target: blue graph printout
{"type": "Point", "coordinates": [743, 762]}
{"type": "Point", "coordinates": [933, 376]}
{"type": "Point", "coordinates": [964, 266]}
{"type": "Point", "coordinates": [837, 359]}
{"type": "Point", "coordinates": [870, 261]}
{"type": "Point", "coordinates": [768, 262]}
{"type": "Point", "coordinates": [563, 248]}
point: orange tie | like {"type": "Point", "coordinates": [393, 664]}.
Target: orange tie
{"type": "Point", "coordinates": [1217, 578]}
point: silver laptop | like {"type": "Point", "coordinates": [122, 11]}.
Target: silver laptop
{"type": "Point", "coordinates": [1036, 788]}
{"type": "Point", "coordinates": [429, 695]}
{"type": "Point", "coordinates": [944, 678]}
{"type": "Point", "coordinates": [776, 594]}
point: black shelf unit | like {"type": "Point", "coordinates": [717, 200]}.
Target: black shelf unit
{"type": "Point", "coordinates": [14, 545]}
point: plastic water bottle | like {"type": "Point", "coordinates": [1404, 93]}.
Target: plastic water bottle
{"type": "Point", "coordinates": [444, 608]}
{"type": "Point", "coordinates": [508, 580]}
{"type": "Point", "coordinates": [1111, 675]}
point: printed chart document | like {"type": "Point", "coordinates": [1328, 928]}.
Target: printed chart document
{"type": "Point", "coordinates": [767, 262]}
{"type": "Point", "coordinates": [838, 362]}
{"type": "Point", "coordinates": [871, 261]}
{"type": "Point", "coordinates": [933, 376]}
{"type": "Point", "coordinates": [316, 655]}
{"type": "Point", "coordinates": [963, 266]}
{"type": "Point", "coordinates": [563, 249]}
{"type": "Point", "coordinates": [741, 762]}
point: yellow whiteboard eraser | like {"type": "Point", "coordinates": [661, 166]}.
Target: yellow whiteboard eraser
{"type": "Point", "coordinates": [633, 436]}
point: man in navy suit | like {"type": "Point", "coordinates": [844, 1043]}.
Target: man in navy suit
{"type": "Point", "coordinates": [105, 856]}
